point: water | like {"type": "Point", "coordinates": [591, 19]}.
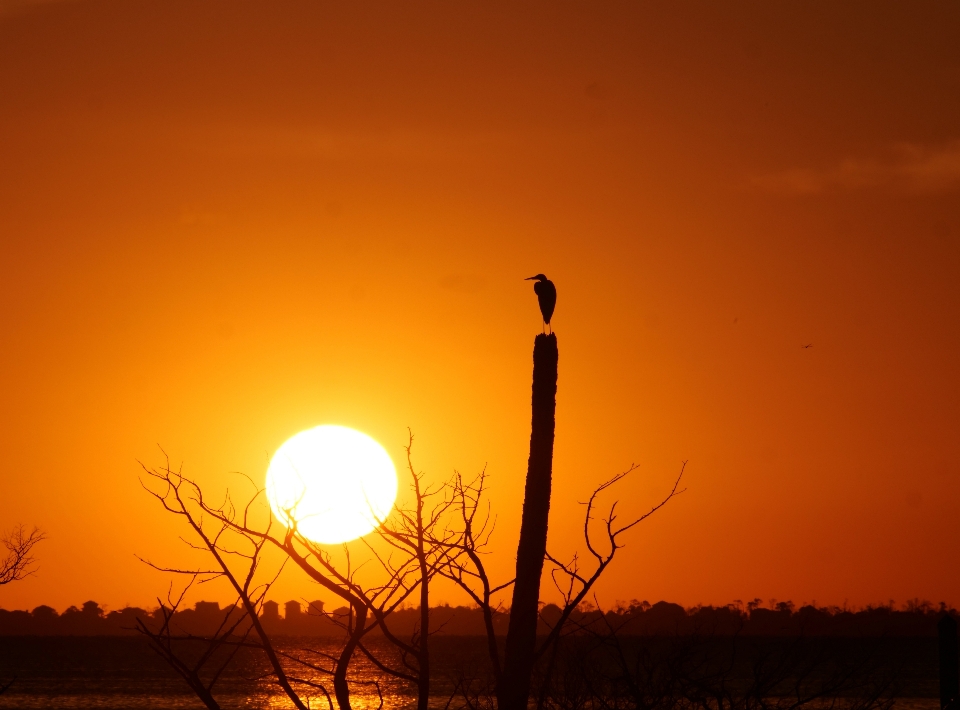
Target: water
{"type": "Point", "coordinates": [123, 673]}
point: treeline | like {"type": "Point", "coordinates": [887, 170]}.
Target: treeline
{"type": "Point", "coordinates": [915, 618]}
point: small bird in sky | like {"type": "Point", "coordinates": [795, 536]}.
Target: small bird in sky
{"type": "Point", "coordinates": [546, 295]}
{"type": "Point", "coordinates": [807, 346]}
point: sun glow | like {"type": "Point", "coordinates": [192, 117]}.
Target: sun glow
{"type": "Point", "coordinates": [336, 484]}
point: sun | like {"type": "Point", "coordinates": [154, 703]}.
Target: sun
{"type": "Point", "coordinates": [335, 483]}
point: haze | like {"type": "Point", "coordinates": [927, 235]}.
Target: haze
{"type": "Point", "coordinates": [224, 223]}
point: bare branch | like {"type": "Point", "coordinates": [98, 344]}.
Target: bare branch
{"type": "Point", "coordinates": [19, 561]}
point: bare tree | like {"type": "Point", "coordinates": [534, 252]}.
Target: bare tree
{"type": "Point", "coordinates": [573, 583]}
{"type": "Point", "coordinates": [468, 571]}
{"type": "Point", "coordinates": [419, 534]}
{"type": "Point", "coordinates": [238, 558]}
{"type": "Point", "coordinates": [414, 547]}
{"type": "Point", "coordinates": [19, 561]}
{"type": "Point", "coordinates": [444, 530]}
{"type": "Point", "coordinates": [211, 655]}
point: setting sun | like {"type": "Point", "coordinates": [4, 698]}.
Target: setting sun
{"type": "Point", "coordinates": [336, 483]}
{"type": "Point", "coordinates": [223, 224]}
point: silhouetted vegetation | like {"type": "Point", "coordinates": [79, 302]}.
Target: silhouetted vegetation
{"type": "Point", "coordinates": [576, 656]}
{"type": "Point", "coordinates": [441, 529]}
{"type": "Point", "coordinates": [639, 656]}
{"type": "Point", "coordinates": [400, 560]}
{"type": "Point", "coordinates": [636, 656]}
{"type": "Point", "coordinates": [915, 618]}
{"type": "Point", "coordinates": [18, 562]}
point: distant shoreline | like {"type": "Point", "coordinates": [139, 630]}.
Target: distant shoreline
{"type": "Point", "coordinates": [638, 618]}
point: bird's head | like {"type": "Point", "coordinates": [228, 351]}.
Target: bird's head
{"type": "Point", "coordinates": [538, 277]}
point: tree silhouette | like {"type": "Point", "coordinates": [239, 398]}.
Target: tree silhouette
{"type": "Point", "coordinates": [574, 584]}
{"type": "Point", "coordinates": [444, 531]}
{"type": "Point", "coordinates": [408, 550]}
{"type": "Point", "coordinates": [19, 561]}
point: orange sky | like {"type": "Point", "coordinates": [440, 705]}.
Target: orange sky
{"type": "Point", "coordinates": [222, 223]}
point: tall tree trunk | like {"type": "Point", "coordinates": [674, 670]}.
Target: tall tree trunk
{"type": "Point", "coordinates": [341, 688]}
{"type": "Point", "coordinates": [423, 677]}
{"type": "Point", "coordinates": [522, 631]}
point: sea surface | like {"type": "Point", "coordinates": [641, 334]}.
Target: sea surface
{"type": "Point", "coordinates": [122, 673]}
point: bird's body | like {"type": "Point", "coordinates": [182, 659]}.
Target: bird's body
{"type": "Point", "coordinates": [546, 295]}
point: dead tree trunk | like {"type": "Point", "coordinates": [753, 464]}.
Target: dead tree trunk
{"type": "Point", "coordinates": [522, 631]}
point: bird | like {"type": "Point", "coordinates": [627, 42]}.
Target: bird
{"type": "Point", "coordinates": [546, 295]}
{"type": "Point", "coordinates": [807, 346]}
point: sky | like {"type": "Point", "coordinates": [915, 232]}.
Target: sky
{"type": "Point", "coordinates": [223, 223]}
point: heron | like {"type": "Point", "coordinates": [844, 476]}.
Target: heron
{"type": "Point", "coordinates": [546, 295]}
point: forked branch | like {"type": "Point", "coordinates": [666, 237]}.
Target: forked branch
{"type": "Point", "coordinates": [19, 561]}
{"type": "Point", "coordinates": [573, 585]}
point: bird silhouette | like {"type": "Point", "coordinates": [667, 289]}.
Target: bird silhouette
{"type": "Point", "coordinates": [546, 295]}
{"type": "Point", "coordinates": [807, 346]}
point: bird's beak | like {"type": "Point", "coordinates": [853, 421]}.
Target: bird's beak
{"type": "Point", "coordinates": [532, 278]}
